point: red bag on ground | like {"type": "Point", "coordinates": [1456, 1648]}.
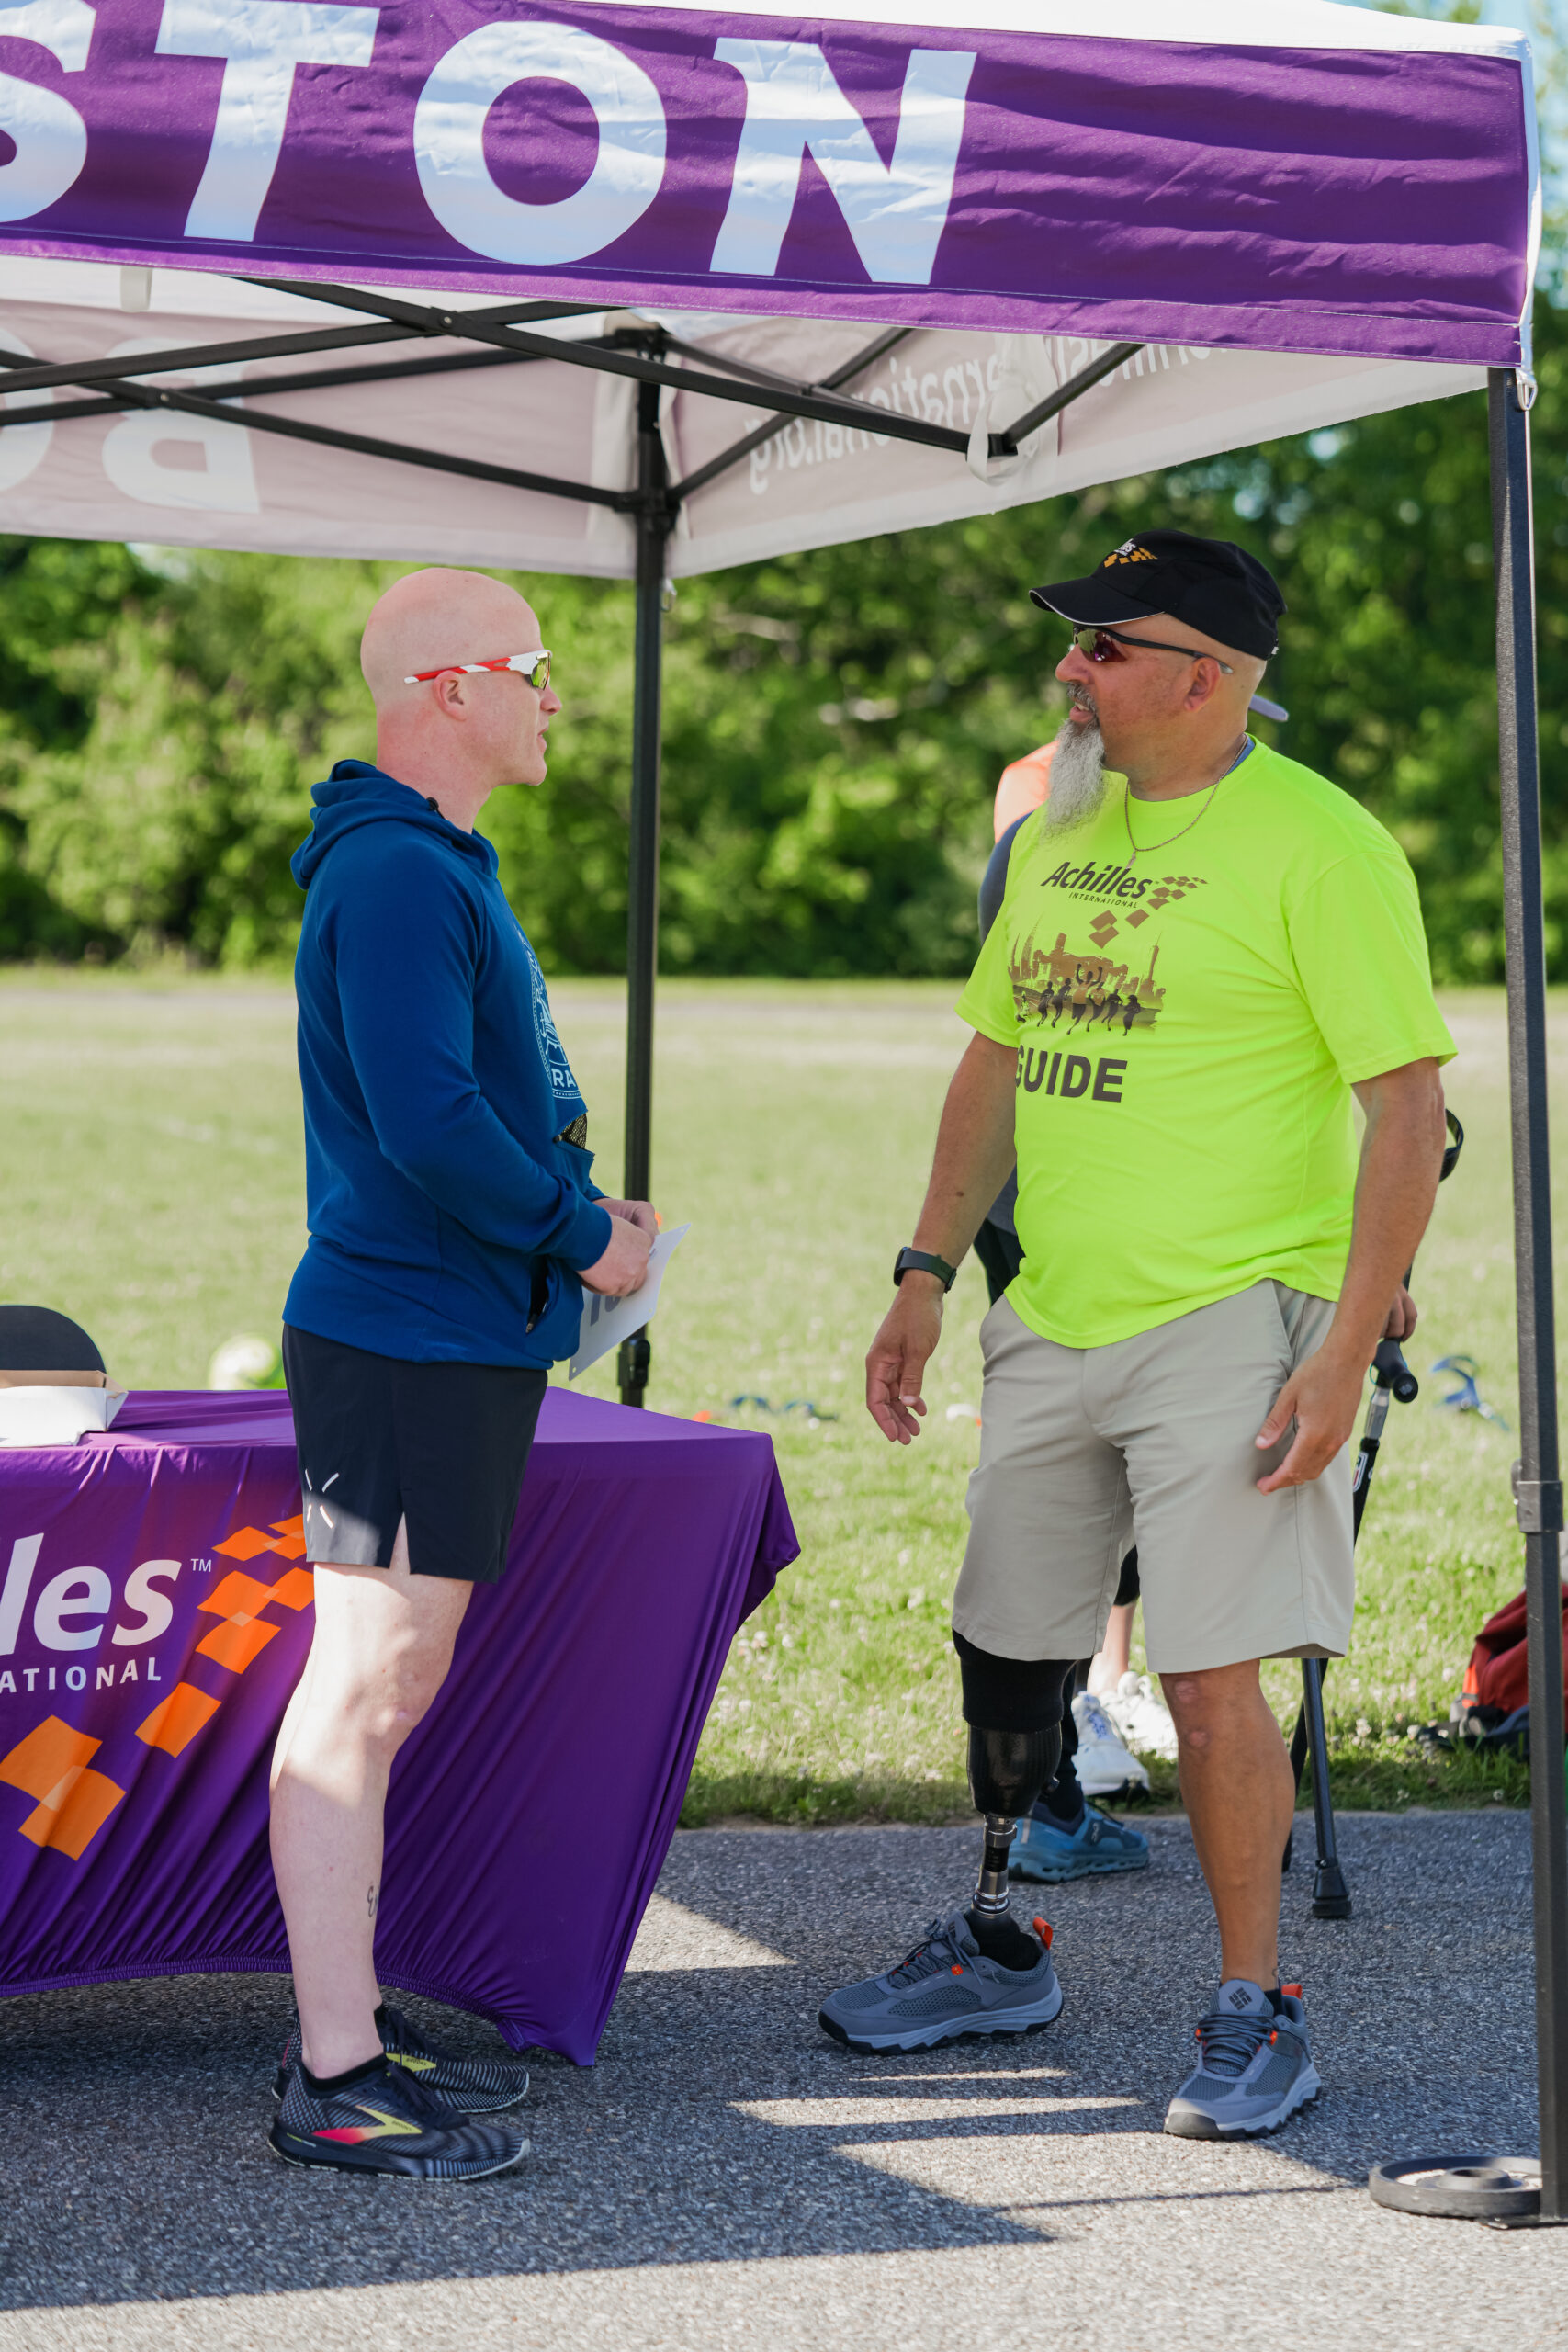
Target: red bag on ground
{"type": "Point", "coordinates": [1498, 1673]}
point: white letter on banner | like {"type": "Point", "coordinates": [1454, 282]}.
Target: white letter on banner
{"type": "Point", "coordinates": [223, 483]}
{"type": "Point", "coordinates": [80, 1593]}
{"type": "Point", "coordinates": [156, 1610]}
{"type": "Point", "coordinates": [50, 136]}
{"type": "Point", "coordinates": [450, 131]}
{"type": "Point", "coordinates": [895, 213]}
{"type": "Point", "coordinates": [261, 42]}
{"type": "Point", "coordinates": [14, 1596]}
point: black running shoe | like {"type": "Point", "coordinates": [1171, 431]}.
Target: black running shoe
{"type": "Point", "coordinates": [462, 2085]}
{"type": "Point", "coordinates": [387, 2122]}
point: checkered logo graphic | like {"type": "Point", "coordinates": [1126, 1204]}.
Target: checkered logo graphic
{"type": "Point", "coordinates": [53, 1764]}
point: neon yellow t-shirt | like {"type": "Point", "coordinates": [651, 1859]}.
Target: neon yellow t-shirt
{"type": "Point", "coordinates": [1188, 1023]}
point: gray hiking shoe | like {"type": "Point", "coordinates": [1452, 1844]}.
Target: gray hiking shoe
{"type": "Point", "coordinates": [945, 1990]}
{"type": "Point", "coordinates": [1255, 2069]}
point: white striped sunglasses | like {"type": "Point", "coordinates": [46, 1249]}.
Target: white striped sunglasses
{"type": "Point", "coordinates": [534, 667]}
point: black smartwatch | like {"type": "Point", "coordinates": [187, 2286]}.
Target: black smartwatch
{"type": "Point", "coordinates": [923, 1262]}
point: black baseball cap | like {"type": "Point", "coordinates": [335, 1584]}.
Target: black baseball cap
{"type": "Point", "coordinates": [1211, 585]}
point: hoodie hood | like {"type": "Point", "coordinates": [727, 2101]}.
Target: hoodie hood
{"type": "Point", "coordinates": [355, 794]}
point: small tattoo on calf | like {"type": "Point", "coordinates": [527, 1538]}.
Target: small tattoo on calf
{"type": "Point", "coordinates": [370, 1901]}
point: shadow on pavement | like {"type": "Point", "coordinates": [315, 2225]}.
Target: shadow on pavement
{"type": "Point", "coordinates": [720, 2125]}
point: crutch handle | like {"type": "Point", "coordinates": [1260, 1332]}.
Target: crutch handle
{"type": "Point", "coordinates": [1452, 1153]}
{"type": "Point", "coordinates": [1388, 1368]}
{"type": "Point", "coordinates": [1391, 1371]}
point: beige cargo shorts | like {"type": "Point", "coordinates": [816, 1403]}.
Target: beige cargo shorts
{"type": "Point", "coordinates": [1150, 1441]}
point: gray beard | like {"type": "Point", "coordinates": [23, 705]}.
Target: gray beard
{"type": "Point", "coordinates": [1078, 776]}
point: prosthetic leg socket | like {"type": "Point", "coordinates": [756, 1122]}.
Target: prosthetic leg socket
{"type": "Point", "coordinates": [1007, 1772]}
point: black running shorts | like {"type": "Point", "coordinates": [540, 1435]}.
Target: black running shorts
{"type": "Point", "coordinates": [440, 1446]}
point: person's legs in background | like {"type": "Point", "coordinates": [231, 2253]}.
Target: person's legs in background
{"type": "Point", "coordinates": [1128, 1701]}
{"type": "Point", "coordinates": [1114, 1656]}
{"type": "Point", "coordinates": [1107, 1765]}
{"type": "Point", "coordinates": [1065, 1838]}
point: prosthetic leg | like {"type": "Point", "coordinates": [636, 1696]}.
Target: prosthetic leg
{"type": "Point", "coordinates": [1013, 1708]}
{"type": "Point", "coordinates": [1007, 1772]}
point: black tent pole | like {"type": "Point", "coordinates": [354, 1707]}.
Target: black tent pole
{"type": "Point", "coordinates": [653, 524]}
{"type": "Point", "coordinates": [1537, 1475]}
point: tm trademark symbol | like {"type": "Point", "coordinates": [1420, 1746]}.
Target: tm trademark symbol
{"type": "Point", "coordinates": [203, 1568]}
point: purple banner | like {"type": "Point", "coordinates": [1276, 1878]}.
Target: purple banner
{"type": "Point", "coordinates": [1344, 201]}
{"type": "Point", "coordinates": [156, 1611]}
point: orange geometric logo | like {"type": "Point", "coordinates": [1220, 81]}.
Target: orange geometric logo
{"type": "Point", "coordinates": [288, 1536]}
{"type": "Point", "coordinates": [53, 1763]}
{"type": "Point", "coordinates": [235, 1644]}
{"type": "Point", "coordinates": [174, 1720]}
{"type": "Point", "coordinates": [239, 1600]}
{"type": "Point", "coordinates": [73, 1803]}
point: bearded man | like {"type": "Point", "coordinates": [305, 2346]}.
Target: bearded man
{"type": "Point", "coordinates": [1208, 1266]}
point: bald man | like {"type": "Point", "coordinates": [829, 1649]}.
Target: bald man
{"type": "Point", "coordinates": [1208, 1265]}
{"type": "Point", "coordinates": [454, 1224]}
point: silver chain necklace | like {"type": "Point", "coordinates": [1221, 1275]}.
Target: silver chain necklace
{"type": "Point", "coordinates": [1149, 848]}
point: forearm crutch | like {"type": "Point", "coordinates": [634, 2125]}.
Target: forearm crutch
{"type": "Point", "coordinates": [1391, 1377]}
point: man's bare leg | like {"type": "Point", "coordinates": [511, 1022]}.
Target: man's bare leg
{"type": "Point", "coordinates": [1240, 1797]}
{"type": "Point", "coordinates": [1113, 1659]}
{"type": "Point", "coordinates": [382, 1647]}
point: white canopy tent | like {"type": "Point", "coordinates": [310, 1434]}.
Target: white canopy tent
{"type": "Point", "coordinates": [641, 290]}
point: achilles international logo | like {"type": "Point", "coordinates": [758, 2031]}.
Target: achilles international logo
{"type": "Point", "coordinates": [1099, 971]}
{"type": "Point", "coordinates": [56, 1763]}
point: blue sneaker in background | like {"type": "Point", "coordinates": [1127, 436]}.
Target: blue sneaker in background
{"type": "Point", "coordinates": [1044, 1851]}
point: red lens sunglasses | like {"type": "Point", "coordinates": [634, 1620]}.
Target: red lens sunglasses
{"type": "Point", "coordinates": [1105, 645]}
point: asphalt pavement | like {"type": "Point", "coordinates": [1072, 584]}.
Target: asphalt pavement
{"type": "Point", "coordinates": [726, 2176]}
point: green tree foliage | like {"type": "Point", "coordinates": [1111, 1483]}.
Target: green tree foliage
{"type": "Point", "coordinates": [834, 722]}
{"type": "Point", "coordinates": [58, 599]}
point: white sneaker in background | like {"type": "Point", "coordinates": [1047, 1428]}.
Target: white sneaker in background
{"type": "Point", "coordinates": [1142, 1717]}
{"type": "Point", "coordinates": [1103, 1764]}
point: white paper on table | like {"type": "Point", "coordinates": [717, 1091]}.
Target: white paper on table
{"type": "Point", "coordinates": [607, 1321]}
{"type": "Point", "coordinates": [41, 1417]}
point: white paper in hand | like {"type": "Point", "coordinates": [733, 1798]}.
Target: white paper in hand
{"type": "Point", "coordinates": [607, 1321]}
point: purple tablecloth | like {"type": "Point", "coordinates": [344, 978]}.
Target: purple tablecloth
{"type": "Point", "coordinates": [155, 1614]}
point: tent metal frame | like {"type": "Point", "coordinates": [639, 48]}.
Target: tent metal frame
{"type": "Point", "coordinates": [656, 360]}
{"type": "Point", "coordinates": [643, 353]}
{"type": "Point", "coordinates": [1538, 1474]}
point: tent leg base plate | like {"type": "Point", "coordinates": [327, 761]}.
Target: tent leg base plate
{"type": "Point", "coordinates": [1505, 2189]}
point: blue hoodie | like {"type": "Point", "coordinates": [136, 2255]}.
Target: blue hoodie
{"type": "Point", "coordinates": [447, 1215]}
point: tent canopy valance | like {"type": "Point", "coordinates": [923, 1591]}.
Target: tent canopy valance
{"type": "Point", "coordinates": [1301, 178]}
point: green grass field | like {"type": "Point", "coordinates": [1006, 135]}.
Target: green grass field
{"type": "Point", "coordinates": [150, 1172]}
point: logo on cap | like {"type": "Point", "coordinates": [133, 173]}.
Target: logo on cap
{"type": "Point", "coordinates": [1128, 552]}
